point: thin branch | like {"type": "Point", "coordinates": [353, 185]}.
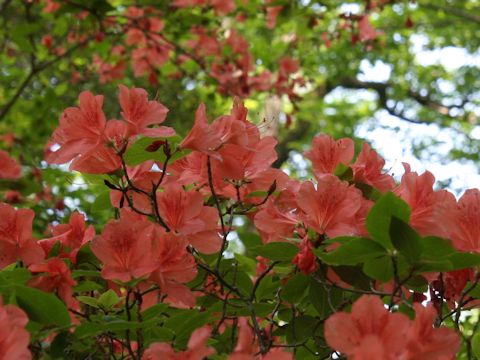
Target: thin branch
{"type": "Point", "coordinates": [455, 11]}
{"type": "Point", "coordinates": [33, 72]}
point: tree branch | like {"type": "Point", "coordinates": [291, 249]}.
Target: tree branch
{"type": "Point", "coordinates": [470, 16]}
{"type": "Point", "coordinates": [33, 72]}
{"type": "Point", "coordinates": [382, 88]}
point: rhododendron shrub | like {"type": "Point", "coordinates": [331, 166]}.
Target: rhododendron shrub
{"type": "Point", "coordinates": [210, 252]}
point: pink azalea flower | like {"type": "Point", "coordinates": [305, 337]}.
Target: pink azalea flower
{"type": "Point", "coordinates": [140, 113]}
{"type": "Point", "coordinates": [10, 168]}
{"type": "Point", "coordinates": [14, 339]}
{"type": "Point", "coordinates": [369, 330]}
{"type": "Point", "coordinates": [466, 232]}
{"type": "Point", "coordinates": [326, 153]}
{"type": "Point", "coordinates": [331, 207]}
{"type": "Point", "coordinates": [16, 242]}
{"type": "Point", "coordinates": [197, 348]}
{"type": "Point", "coordinates": [368, 169]}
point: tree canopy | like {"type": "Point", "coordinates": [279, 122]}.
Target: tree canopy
{"type": "Point", "coordinates": [193, 50]}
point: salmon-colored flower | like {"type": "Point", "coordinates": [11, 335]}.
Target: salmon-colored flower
{"type": "Point", "coordinates": [71, 236]}
{"type": "Point", "coordinates": [202, 43]}
{"type": "Point", "coordinates": [192, 169]}
{"type": "Point", "coordinates": [272, 14]}
{"type": "Point", "coordinates": [428, 343]}
{"type": "Point", "coordinates": [466, 231]}
{"type": "Point", "coordinates": [233, 128]}
{"type": "Point", "coordinates": [12, 197]}
{"type": "Point", "coordinates": [331, 207]}
{"type": "Point", "coordinates": [140, 113]}
{"type": "Point", "coordinates": [81, 138]}
{"type": "Point", "coordinates": [433, 212]}
{"type": "Point", "coordinates": [126, 247]}
{"type": "Point", "coordinates": [368, 170]}
{"type": "Point", "coordinates": [223, 7]}
{"type": "Point", "coordinates": [80, 128]}
{"type": "Point", "coordinates": [264, 181]}
{"type": "Point", "coordinates": [47, 41]}
{"type": "Point", "coordinates": [276, 222]}
{"type": "Point", "coordinates": [146, 58]}
{"type": "Point", "coordinates": [184, 213]}
{"type": "Point", "coordinates": [109, 72]}
{"type": "Point", "coordinates": [306, 260]}
{"type": "Point", "coordinates": [10, 168]}
{"type": "Point", "coordinates": [288, 66]}
{"type": "Point", "coordinates": [51, 6]}
{"type": "Point", "coordinates": [9, 139]}
{"type": "Point", "coordinates": [208, 239]}
{"type": "Point", "coordinates": [369, 330]}
{"type": "Point", "coordinates": [57, 277]}
{"type": "Point", "coordinates": [237, 151]}
{"type": "Point", "coordinates": [197, 348]}
{"type": "Point", "coordinates": [326, 153]}
{"type": "Point", "coordinates": [247, 347]}
{"type": "Point", "coordinates": [365, 29]}
{"type": "Point", "coordinates": [16, 242]}
{"type": "Point", "coordinates": [14, 339]}
{"type": "Point", "coordinates": [175, 267]}
{"type": "Point", "coordinates": [202, 137]}
{"type": "Point", "coordinates": [361, 216]}
{"type": "Point", "coordinates": [100, 159]}
{"type": "Point", "coordinates": [142, 177]}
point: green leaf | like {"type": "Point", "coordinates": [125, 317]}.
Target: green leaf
{"type": "Point", "coordinates": [464, 260]}
{"type": "Point", "coordinates": [267, 288]}
{"type": "Point", "coordinates": [439, 255]}
{"type": "Point", "coordinates": [186, 322]}
{"type": "Point", "coordinates": [379, 217]}
{"type": "Point", "coordinates": [89, 329]}
{"type": "Point", "coordinates": [318, 297]}
{"type": "Point", "coordinates": [353, 275]}
{"type": "Point", "coordinates": [42, 307]}
{"type": "Point", "coordinates": [405, 239]}
{"type": "Point", "coordinates": [247, 264]}
{"type": "Point", "coordinates": [161, 334]}
{"type": "Point", "coordinates": [263, 309]}
{"type": "Point", "coordinates": [154, 311]}
{"type": "Point", "coordinates": [476, 345]}
{"type": "Point", "coordinates": [475, 290]}
{"type": "Point", "coordinates": [435, 266]}
{"type": "Point", "coordinates": [369, 192]}
{"type": "Point", "coordinates": [95, 179]}
{"type": "Point", "coordinates": [435, 248]}
{"type": "Point", "coordinates": [280, 251]}
{"type": "Point", "coordinates": [101, 203]}
{"type": "Point", "coordinates": [295, 288]}
{"type": "Point", "coordinates": [300, 329]}
{"type": "Point", "coordinates": [138, 153]}
{"type": "Point", "coordinates": [12, 275]}
{"type": "Point", "coordinates": [87, 285]}
{"type": "Point", "coordinates": [417, 283]}
{"type": "Point", "coordinates": [242, 281]}
{"type": "Point", "coordinates": [58, 346]}
{"type": "Point", "coordinates": [379, 269]}
{"type": "Point", "coordinates": [108, 299]}
{"type": "Point", "coordinates": [91, 301]}
{"type": "Point", "coordinates": [251, 240]}
{"type": "Point", "coordinates": [354, 251]}
{"type": "Point", "coordinates": [78, 273]}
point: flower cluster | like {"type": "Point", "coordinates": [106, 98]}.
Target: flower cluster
{"type": "Point", "coordinates": [160, 280]}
